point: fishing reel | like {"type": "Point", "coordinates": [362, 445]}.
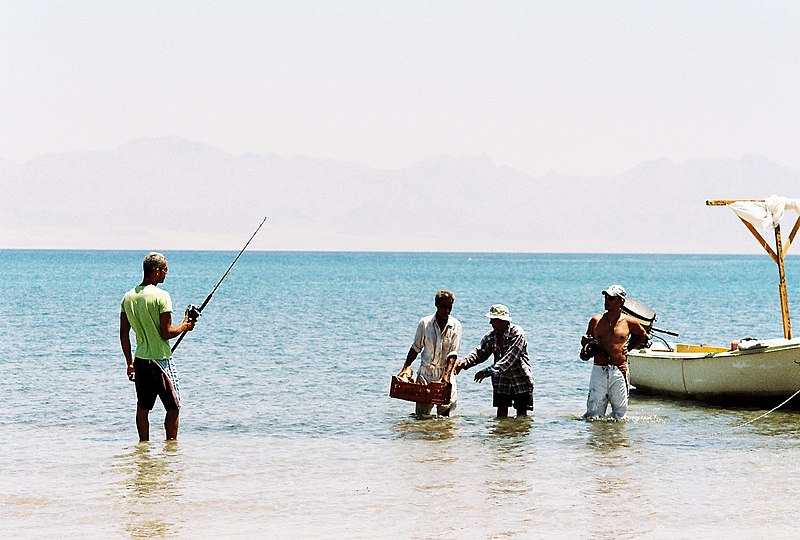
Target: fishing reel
{"type": "Point", "coordinates": [193, 312]}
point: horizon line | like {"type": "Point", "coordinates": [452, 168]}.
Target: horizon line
{"type": "Point", "coordinates": [401, 252]}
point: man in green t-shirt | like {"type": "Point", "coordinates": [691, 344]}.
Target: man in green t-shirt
{"type": "Point", "coordinates": [148, 311]}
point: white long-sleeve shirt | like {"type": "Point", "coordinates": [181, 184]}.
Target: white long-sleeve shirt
{"type": "Point", "coordinates": [435, 345]}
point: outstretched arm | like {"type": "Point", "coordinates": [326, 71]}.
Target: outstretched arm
{"type": "Point", "coordinates": [410, 357]}
{"type": "Point", "coordinates": [481, 354]}
{"type": "Point", "coordinates": [413, 351]}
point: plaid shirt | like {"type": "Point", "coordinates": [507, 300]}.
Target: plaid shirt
{"type": "Point", "coordinates": [511, 371]}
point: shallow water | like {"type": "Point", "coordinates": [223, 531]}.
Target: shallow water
{"type": "Point", "coordinates": [287, 428]}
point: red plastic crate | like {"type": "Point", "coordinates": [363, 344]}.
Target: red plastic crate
{"type": "Point", "coordinates": [435, 393]}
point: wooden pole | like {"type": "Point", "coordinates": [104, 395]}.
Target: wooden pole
{"type": "Point", "coordinates": [787, 325]}
{"type": "Point", "coordinates": [726, 202]}
{"type": "Point", "coordinates": [777, 255]}
{"type": "Point", "coordinates": [761, 241]}
{"type": "Point", "coordinates": [791, 237]}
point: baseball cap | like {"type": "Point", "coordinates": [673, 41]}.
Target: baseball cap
{"type": "Point", "coordinates": [616, 290]}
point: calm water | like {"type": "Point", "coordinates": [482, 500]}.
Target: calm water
{"type": "Point", "coordinates": [287, 428]}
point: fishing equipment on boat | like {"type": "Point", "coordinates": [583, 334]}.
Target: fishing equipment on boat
{"type": "Point", "coordinates": [194, 312]}
{"type": "Point", "coordinates": [646, 317]}
{"type": "Point", "coordinates": [644, 314]}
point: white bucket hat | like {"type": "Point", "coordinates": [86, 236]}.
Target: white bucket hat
{"type": "Point", "coordinates": [498, 311]}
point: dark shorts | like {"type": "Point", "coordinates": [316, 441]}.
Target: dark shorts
{"type": "Point", "coordinates": [521, 402]}
{"type": "Point", "coordinates": [152, 382]}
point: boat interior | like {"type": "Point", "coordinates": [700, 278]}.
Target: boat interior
{"type": "Point", "coordinates": [689, 348]}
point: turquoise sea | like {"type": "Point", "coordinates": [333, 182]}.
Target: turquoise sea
{"type": "Point", "coordinates": [287, 430]}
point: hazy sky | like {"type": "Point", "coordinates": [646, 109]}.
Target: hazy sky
{"type": "Point", "coordinates": [576, 87]}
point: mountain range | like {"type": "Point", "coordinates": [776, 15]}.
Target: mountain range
{"type": "Point", "coordinates": [170, 193]}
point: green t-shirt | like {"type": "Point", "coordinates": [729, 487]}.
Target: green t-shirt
{"type": "Point", "coordinates": [144, 306]}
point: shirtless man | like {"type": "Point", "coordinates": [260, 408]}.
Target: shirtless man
{"type": "Point", "coordinates": [609, 380]}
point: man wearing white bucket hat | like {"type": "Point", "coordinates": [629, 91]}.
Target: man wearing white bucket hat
{"type": "Point", "coordinates": [512, 380]}
{"type": "Point", "coordinates": [607, 341]}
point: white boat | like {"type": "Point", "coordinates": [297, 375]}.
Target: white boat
{"type": "Point", "coordinates": [767, 372]}
{"type": "Point", "coordinates": [747, 372]}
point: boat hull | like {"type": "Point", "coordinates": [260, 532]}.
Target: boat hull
{"type": "Point", "coordinates": [746, 376]}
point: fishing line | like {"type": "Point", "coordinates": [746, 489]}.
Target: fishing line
{"type": "Point", "coordinates": [194, 312]}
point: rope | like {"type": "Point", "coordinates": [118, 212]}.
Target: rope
{"type": "Point", "coordinates": [759, 417]}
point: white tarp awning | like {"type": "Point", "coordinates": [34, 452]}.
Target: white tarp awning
{"type": "Point", "coordinates": [767, 214]}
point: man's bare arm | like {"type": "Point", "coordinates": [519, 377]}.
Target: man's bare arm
{"type": "Point", "coordinates": [125, 342]}
{"type": "Point", "coordinates": [639, 337]}
{"type": "Point", "coordinates": [589, 330]}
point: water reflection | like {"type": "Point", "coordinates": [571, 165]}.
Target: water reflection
{"type": "Point", "coordinates": [607, 436]}
{"type": "Point", "coordinates": [150, 489]}
{"type": "Point", "coordinates": [426, 428]}
{"type": "Point", "coordinates": [612, 490]}
{"type": "Point", "coordinates": [509, 441]}
{"type": "Point", "coordinates": [511, 434]}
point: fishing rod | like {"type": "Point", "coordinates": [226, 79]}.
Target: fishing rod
{"type": "Point", "coordinates": [194, 311]}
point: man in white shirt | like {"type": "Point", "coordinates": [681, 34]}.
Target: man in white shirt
{"type": "Point", "coordinates": [437, 341]}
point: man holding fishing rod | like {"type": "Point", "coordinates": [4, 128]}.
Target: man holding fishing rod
{"type": "Point", "coordinates": [148, 310]}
